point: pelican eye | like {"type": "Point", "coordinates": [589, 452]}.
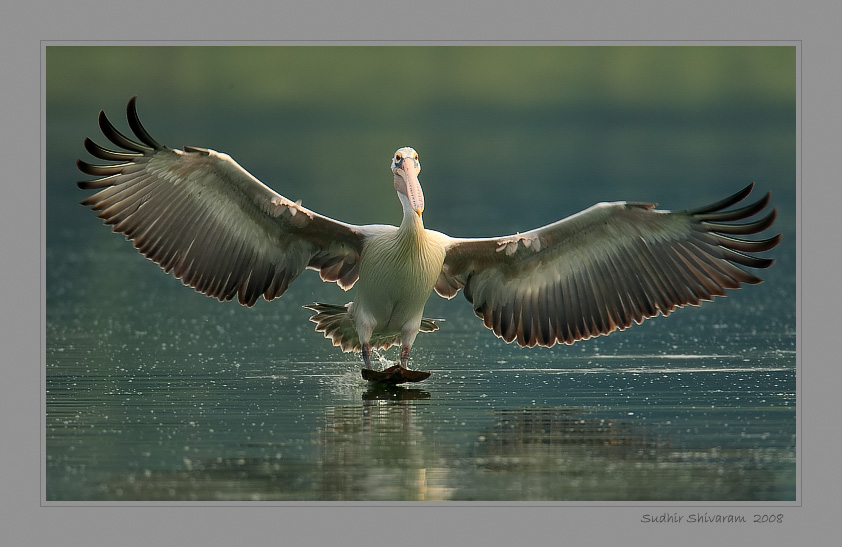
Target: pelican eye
{"type": "Point", "coordinates": [398, 157]}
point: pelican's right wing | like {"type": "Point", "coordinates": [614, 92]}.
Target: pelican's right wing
{"type": "Point", "coordinates": [605, 268]}
{"type": "Point", "coordinates": [200, 215]}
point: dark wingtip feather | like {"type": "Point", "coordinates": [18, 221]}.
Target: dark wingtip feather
{"type": "Point", "coordinates": [86, 168]}
{"type": "Point", "coordinates": [132, 150]}
{"type": "Point", "coordinates": [105, 154]}
{"type": "Point", "coordinates": [742, 229]}
{"type": "Point", "coordinates": [137, 127]}
{"type": "Point", "coordinates": [723, 203]}
{"type": "Point", "coordinates": [118, 138]}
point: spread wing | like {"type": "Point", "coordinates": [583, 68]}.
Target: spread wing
{"type": "Point", "coordinates": [605, 268]}
{"type": "Point", "coordinates": [199, 215]}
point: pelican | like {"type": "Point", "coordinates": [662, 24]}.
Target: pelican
{"type": "Point", "coordinates": [199, 215]}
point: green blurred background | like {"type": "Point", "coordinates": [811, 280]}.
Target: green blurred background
{"type": "Point", "coordinates": [524, 135]}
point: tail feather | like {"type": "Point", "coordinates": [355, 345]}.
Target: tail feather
{"type": "Point", "coordinates": [337, 326]}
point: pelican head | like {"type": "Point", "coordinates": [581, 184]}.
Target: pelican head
{"type": "Point", "coordinates": [405, 166]}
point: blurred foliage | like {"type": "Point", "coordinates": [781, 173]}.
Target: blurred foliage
{"type": "Point", "coordinates": [396, 77]}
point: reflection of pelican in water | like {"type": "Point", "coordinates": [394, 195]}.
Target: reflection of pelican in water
{"type": "Point", "coordinates": [201, 216]}
{"type": "Point", "coordinates": [517, 430]}
{"type": "Point", "coordinates": [379, 451]}
{"type": "Point", "coordinates": [388, 392]}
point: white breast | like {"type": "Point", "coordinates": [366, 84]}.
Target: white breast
{"type": "Point", "coordinates": [397, 275]}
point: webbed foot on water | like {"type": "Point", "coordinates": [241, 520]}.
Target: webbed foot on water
{"type": "Point", "coordinates": [394, 375]}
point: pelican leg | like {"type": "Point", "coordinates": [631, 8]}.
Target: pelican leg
{"type": "Point", "coordinates": [396, 374]}
{"type": "Point", "coordinates": [366, 351]}
{"type": "Point", "coordinates": [404, 355]}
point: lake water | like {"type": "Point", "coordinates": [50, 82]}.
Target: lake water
{"type": "Point", "coordinates": [154, 392]}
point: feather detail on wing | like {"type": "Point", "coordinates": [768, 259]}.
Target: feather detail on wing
{"type": "Point", "coordinates": [605, 268]}
{"type": "Point", "coordinates": [199, 215]}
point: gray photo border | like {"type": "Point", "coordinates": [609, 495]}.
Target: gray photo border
{"type": "Point", "coordinates": [26, 34]}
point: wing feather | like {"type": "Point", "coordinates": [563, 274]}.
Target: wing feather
{"type": "Point", "coordinates": [202, 217]}
{"type": "Point", "coordinates": [606, 268]}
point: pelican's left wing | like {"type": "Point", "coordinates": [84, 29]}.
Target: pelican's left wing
{"type": "Point", "coordinates": [199, 215]}
{"type": "Point", "coordinates": [605, 268]}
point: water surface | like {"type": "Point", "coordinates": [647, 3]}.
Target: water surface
{"type": "Point", "coordinates": [162, 394]}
